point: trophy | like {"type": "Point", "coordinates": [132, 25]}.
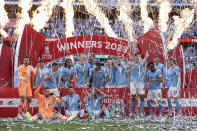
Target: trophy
{"type": "Point", "coordinates": [118, 109]}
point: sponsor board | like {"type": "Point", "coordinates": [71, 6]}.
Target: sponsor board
{"type": "Point", "coordinates": [9, 100]}
{"type": "Point", "coordinates": [185, 102]}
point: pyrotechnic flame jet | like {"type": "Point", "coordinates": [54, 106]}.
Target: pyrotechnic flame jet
{"type": "Point", "coordinates": [95, 10]}
{"type": "Point", "coordinates": [3, 18]}
{"type": "Point", "coordinates": [164, 10]}
{"type": "Point", "coordinates": [180, 25]}
{"type": "Point", "coordinates": [43, 13]}
{"type": "Point", "coordinates": [125, 9]}
{"type": "Point", "coordinates": [69, 15]}
{"type": "Point", "coordinates": [147, 21]}
{"type": "Point", "coordinates": [24, 15]}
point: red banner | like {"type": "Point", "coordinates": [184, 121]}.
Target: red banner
{"type": "Point", "coordinates": [30, 45]}
{"type": "Point", "coordinates": [6, 69]}
{"type": "Point", "coordinates": [9, 100]}
{"type": "Point", "coordinates": [152, 42]}
{"type": "Point", "coordinates": [54, 39]}
{"type": "Point", "coordinates": [191, 79]}
{"type": "Point", "coordinates": [85, 44]}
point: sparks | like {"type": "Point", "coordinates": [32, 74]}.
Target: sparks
{"type": "Point", "coordinates": [69, 15]}
{"type": "Point", "coordinates": [93, 9]}
{"type": "Point", "coordinates": [180, 25]}
{"type": "Point", "coordinates": [3, 18]}
{"type": "Point", "coordinates": [147, 21]}
{"type": "Point", "coordinates": [194, 2]}
{"type": "Point", "coordinates": [125, 9]}
{"type": "Point", "coordinates": [24, 15]}
{"type": "Point", "coordinates": [164, 10]}
{"type": "Point", "coordinates": [43, 13]}
{"type": "Point", "coordinates": [3, 33]}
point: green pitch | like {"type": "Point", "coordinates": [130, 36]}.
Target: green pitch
{"type": "Point", "coordinates": [72, 126]}
{"type": "Point", "coordinates": [128, 124]}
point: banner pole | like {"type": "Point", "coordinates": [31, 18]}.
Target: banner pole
{"type": "Point", "coordinates": [1, 46]}
{"type": "Point", "coordinates": [183, 66]}
{"type": "Point", "coordinates": [17, 50]}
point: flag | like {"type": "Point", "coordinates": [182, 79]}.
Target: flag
{"type": "Point", "coordinates": [151, 41]}
{"type": "Point", "coordinates": [31, 44]}
{"type": "Point", "coordinates": [6, 60]}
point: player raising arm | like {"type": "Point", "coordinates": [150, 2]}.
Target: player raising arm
{"type": "Point", "coordinates": [46, 105]}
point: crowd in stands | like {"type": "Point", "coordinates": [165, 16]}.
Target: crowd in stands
{"type": "Point", "coordinates": [55, 28]}
{"type": "Point", "coordinates": [190, 54]}
{"type": "Point", "coordinates": [137, 1]}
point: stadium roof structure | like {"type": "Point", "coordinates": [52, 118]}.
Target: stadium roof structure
{"type": "Point", "coordinates": [103, 4]}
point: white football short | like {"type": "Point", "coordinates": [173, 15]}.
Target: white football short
{"type": "Point", "coordinates": [134, 87]}
{"type": "Point", "coordinates": [154, 94]}
{"type": "Point", "coordinates": [173, 92]}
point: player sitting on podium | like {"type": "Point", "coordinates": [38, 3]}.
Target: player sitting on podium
{"type": "Point", "coordinates": [73, 102]}
{"type": "Point", "coordinates": [93, 102]}
{"type": "Point", "coordinates": [46, 105]}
